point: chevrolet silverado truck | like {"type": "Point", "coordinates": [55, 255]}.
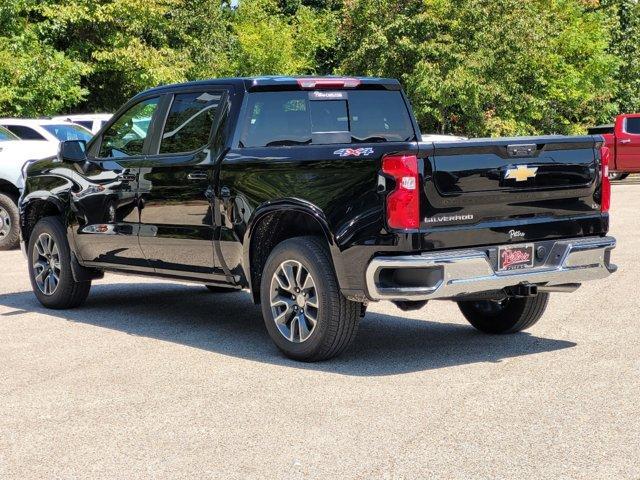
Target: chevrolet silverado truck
{"type": "Point", "coordinates": [317, 196]}
{"type": "Point", "coordinates": [622, 138]}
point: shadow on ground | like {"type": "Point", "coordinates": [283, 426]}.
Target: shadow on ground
{"type": "Point", "coordinates": [230, 324]}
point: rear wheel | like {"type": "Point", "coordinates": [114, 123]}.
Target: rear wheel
{"type": "Point", "coordinates": [304, 312]}
{"type": "Point", "coordinates": [9, 223]}
{"type": "Point", "coordinates": [505, 316]}
{"type": "Point", "coordinates": [50, 267]}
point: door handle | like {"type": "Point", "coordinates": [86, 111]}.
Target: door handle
{"type": "Point", "coordinates": [625, 141]}
{"type": "Point", "coordinates": [197, 176]}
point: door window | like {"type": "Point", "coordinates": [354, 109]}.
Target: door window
{"type": "Point", "coordinates": [633, 125]}
{"type": "Point", "coordinates": [189, 122]}
{"type": "Point", "coordinates": [6, 135]}
{"type": "Point", "coordinates": [25, 133]}
{"type": "Point", "coordinates": [126, 137]}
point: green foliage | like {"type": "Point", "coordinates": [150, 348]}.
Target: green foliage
{"type": "Point", "coordinates": [270, 42]}
{"type": "Point", "coordinates": [478, 67]}
{"type": "Point", "coordinates": [486, 67]}
{"type": "Point", "coordinates": [625, 45]}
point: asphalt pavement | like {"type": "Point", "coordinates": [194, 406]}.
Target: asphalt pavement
{"type": "Point", "coordinates": [153, 379]}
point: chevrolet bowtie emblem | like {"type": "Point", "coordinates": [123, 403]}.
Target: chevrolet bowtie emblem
{"type": "Point", "coordinates": [521, 173]}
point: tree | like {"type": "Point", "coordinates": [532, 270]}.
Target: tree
{"type": "Point", "coordinates": [35, 79]}
{"type": "Point", "coordinates": [483, 67]}
{"type": "Point", "coordinates": [625, 15]}
{"type": "Point", "coordinates": [268, 41]}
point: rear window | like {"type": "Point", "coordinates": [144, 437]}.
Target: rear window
{"type": "Point", "coordinates": [88, 124]}
{"type": "Point", "coordinates": [325, 117]}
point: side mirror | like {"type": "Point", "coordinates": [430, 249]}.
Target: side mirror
{"type": "Point", "coordinates": [73, 151]}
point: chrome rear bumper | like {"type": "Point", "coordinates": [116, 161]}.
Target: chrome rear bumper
{"type": "Point", "coordinates": [455, 273]}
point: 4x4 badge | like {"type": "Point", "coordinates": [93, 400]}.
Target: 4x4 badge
{"type": "Point", "coordinates": [354, 152]}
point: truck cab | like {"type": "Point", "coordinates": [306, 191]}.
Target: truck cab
{"type": "Point", "coordinates": [622, 138]}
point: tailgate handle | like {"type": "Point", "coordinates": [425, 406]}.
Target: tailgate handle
{"type": "Point", "coordinates": [528, 150]}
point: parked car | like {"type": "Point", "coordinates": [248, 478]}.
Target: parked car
{"type": "Point", "coordinates": [45, 130]}
{"type": "Point", "coordinates": [623, 140]}
{"type": "Point", "coordinates": [13, 155]}
{"type": "Point", "coordinates": [318, 196]}
{"type": "Point", "coordinates": [91, 121]}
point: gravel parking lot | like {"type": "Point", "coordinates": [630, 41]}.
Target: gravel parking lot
{"type": "Point", "coordinates": [154, 379]}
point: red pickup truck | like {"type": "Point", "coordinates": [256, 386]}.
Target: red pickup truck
{"type": "Point", "coordinates": [623, 140]}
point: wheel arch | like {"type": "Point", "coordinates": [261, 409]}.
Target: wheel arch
{"type": "Point", "coordinates": [35, 207]}
{"type": "Point", "coordinates": [274, 222]}
{"type": "Point", "coordinates": [9, 188]}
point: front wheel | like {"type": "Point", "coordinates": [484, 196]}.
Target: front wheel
{"type": "Point", "coordinates": [50, 267]}
{"type": "Point", "coordinates": [9, 221]}
{"type": "Point", "coordinates": [305, 313]}
{"type": "Point", "coordinates": [509, 315]}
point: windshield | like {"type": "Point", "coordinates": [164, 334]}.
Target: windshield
{"type": "Point", "coordinates": [6, 135]}
{"type": "Point", "coordinates": [64, 132]}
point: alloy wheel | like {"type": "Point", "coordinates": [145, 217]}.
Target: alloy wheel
{"type": "Point", "coordinates": [5, 223]}
{"type": "Point", "coordinates": [46, 264]}
{"type": "Point", "coordinates": [294, 301]}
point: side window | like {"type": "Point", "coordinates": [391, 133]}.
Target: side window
{"type": "Point", "coordinates": [125, 138]}
{"type": "Point", "coordinates": [633, 125]}
{"type": "Point", "coordinates": [24, 133]}
{"type": "Point", "coordinates": [189, 122]}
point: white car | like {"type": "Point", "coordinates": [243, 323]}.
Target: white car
{"type": "Point", "coordinates": [45, 130]}
{"type": "Point", "coordinates": [14, 153]}
{"type": "Point", "coordinates": [90, 121]}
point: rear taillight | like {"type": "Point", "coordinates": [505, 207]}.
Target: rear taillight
{"type": "Point", "coordinates": [403, 203]}
{"type": "Point", "coordinates": [605, 188]}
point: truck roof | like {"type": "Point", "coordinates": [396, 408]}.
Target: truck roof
{"type": "Point", "coordinates": [285, 83]}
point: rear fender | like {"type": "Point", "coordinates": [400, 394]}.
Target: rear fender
{"type": "Point", "coordinates": [289, 205]}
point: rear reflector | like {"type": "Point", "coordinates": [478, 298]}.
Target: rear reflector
{"type": "Point", "coordinates": [317, 83]}
{"type": "Point", "coordinates": [605, 188]}
{"type": "Point", "coordinates": [403, 203]}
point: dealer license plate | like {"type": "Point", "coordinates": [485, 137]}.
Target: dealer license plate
{"type": "Point", "coordinates": [515, 257]}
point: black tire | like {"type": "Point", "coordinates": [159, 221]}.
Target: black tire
{"type": "Point", "coordinates": [9, 223]}
{"type": "Point", "coordinates": [216, 289]}
{"type": "Point", "coordinates": [508, 316]}
{"type": "Point", "coordinates": [68, 293]}
{"type": "Point", "coordinates": [618, 176]}
{"type": "Point", "coordinates": [336, 318]}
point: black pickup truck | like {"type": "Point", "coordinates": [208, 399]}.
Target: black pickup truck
{"type": "Point", "coordinates": [317, 195]}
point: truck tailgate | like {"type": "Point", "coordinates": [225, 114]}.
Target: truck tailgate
{"type": "Point", "coordinates": [488, 191]}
